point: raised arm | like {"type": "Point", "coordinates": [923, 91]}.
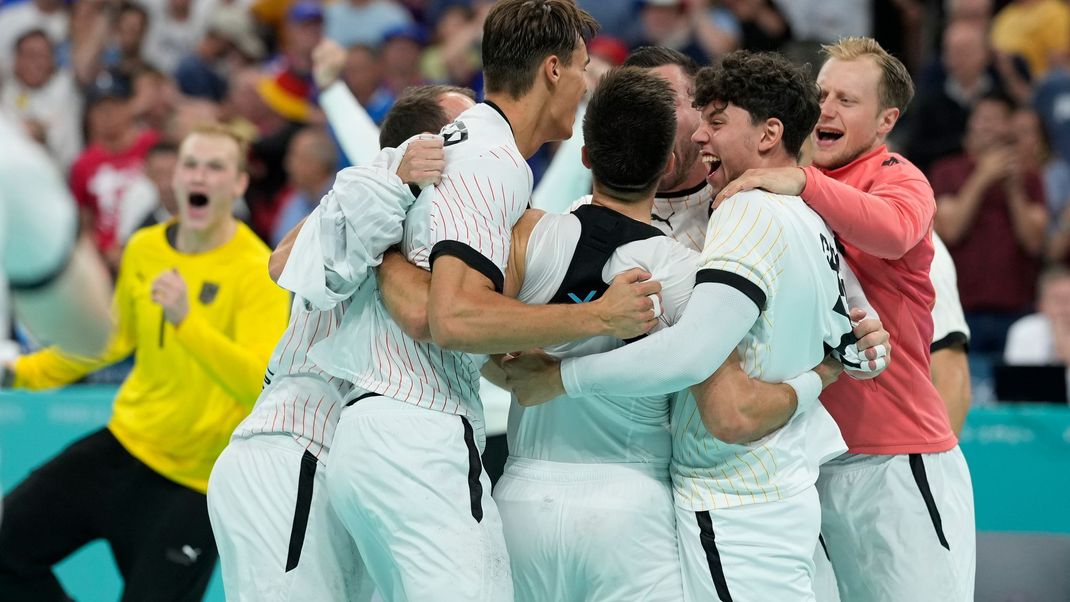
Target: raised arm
{"type": "Point", "coordinates": [356, 132]}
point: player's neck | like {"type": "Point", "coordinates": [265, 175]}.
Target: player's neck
{"type": "Point", "coordinates": [637, 210]}
{"type": "Point", "coordinates": [524, 117]}
{"type": "Point", "coordinates": [696, 177]}
{"type": "Point", "coordinates": [190, 241]}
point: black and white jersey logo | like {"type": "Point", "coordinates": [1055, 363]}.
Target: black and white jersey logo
{"type": "Point", "coordinates": [665, 220]}
{"type": "Point", "coordinates": [454, 133]}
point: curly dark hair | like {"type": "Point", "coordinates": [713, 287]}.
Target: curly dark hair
{"type": "Point", "coordinates": [766, 85]}
{"type": "Point", "coordinates": [628, 130]}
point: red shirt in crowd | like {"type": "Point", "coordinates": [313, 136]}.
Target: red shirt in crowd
{"type": "Point", "coordinates": [995, 273]}
{"type": "Point", "coordinates": [882, 209]}
{"type": "Point", "coordinates": [99, 178]}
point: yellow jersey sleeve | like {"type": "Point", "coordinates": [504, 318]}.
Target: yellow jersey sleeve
{"type": "Point", "coordinates": [237, 365]}
{"type": "Point", "coordinates": [51, 368]}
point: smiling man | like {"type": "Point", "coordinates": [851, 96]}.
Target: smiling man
{"type": "Point", "coordinates": [897, 511]}
{"type": "Point", "coordinates": [195, 305]}
{"type": "Point", "coordinates": [769, 287]}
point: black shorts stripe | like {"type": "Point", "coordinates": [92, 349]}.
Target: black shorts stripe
{"type": "Point", "coordinates": [713, 558]}
{"type": "Point", "coordinates": [748, 288]}
{"type": "Point", "coordinates": [473, 258]}
{"type": "Point", "coordinates": [475, 469]}
{"type": "Point", "coordinates": [952, 338]}
{"type": "Point", "coordinates": [362, 396]}
{"type": "Point", "coordinates": [304, 504]}
{"type": "Point", "coordinates": [821, 540]}
{"type": "Point", "coordinates": [917, 466]}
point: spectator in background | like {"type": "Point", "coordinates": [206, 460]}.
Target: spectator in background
{"type": "Point", "coordinates": [365, 22]}
{"type": "Point", "coordinates": [230, 42]}
{"type": "Point", "coordinates": [363, 74]}
{"type": "Point", "coordinates": [302, 31]}
{"type": "Point", "coordinates": [936, 124]}
{"type": "Point", "coordinates": [977, 12]}
{"type": "Point", "coordinates": [150, 200]}
{"type": "Point", "coordinates": [1034, 30]}
{"type": "Point", "coordinates": [110, 163]}
{"type": "Point", "coordinates": [400, 55]}
{"type": "Point", "coordinates": [44, 98]}
{"type": "Point", "coordinates": [1031, 144]}
{"type": "Point", "coordinates": [1052, 102]}
{"type": "Point", "coordinates": [991, 214]}
{"type": "Point", "coordinates": [174, 31]}
{"type": "Point", "coordinates": [154, 98]}
{"type": "Point", "coordinates": [1043, 338]}
{"type": "Point", "coordinates": [454, 52]}
{"type": "Point", "coordinates": [758, 25]}
{"type": "Point", "coordinates": [668, 23]}
{"type": "Point", "coordinates": [49, 16]}
{"type": "Point", "coordinates": [311, 162]}
{"type": "Point", "coordinates": [124, 53]}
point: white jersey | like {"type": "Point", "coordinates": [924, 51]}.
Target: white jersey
{"type": "Point", "coordinates": [683, 215]}
{"type": "Point", "coordinates": [598, 428]}
{"type": "Point", "coordinates": [309, 417]}
{"type": "Point", "coordinates": [38, 216]}
{"type": "Point", "coordinates": [485, 188]}
{"type": "Point", "coordinates": [949, 322]}
{"type": "Point", "coordinates": [776, 247]}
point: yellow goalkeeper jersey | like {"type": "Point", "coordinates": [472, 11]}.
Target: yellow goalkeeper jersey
{"type": "Point", "coordinates": [190, 385]}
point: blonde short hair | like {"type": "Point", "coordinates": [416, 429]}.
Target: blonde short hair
{"type": "Point", "coordinates": [896, 89]}
{"type": "Point", "coordinates": [225, 131]}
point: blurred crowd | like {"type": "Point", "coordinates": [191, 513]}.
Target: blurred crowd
{"type": "Point", "coordinates": [111, 86]}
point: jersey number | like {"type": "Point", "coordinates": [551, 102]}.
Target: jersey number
{"type": "Point", "coordinates": [832, 255]}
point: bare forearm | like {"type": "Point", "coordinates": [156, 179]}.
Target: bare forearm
{"type": "Point", "coordinates": [1029, 220]}
{"type": "Point", "coordinates": [955, 213]}
{"type": "Point", "coordinates": [950, 373]}
{"type": "Point", "coordinates": [737, 409]}
{"type": "Point", "coordinates": [404, 289]}
{"type": "Point", "coordinates": [281, 254]}
{"type": "Point", "coordinates": [486, 322]}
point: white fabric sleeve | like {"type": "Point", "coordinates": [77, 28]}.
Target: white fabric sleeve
{"type": "Point", "coordinates": [717, 318]}
{"type": "Point", "coordinates": [566, 178]}
{"type": "Point", "coordinates": [356, 132]}
{"type": "Point", "coordinates": [345, 237]}
{"type": "Point", "coordinates": [856, 297]}
{"type": "Point", "coordinates": [949, 321]}
{"type": "Point", "coordinates": [807, 387]}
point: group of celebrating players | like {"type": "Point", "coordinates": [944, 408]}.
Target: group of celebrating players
{"type": "Point", "coordinates": [666, 440]}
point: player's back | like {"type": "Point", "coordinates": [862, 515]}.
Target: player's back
{"type": "Point", "coordinates": [485, 188]}
{"type": "Point", "coordinates": [597, 429]}
{"type": "Point", "coordinates": [804, 314]}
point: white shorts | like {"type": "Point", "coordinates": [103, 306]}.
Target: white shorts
{"type": "Point", "coordinates": [752, 553]}
{"type": "Point", "coordinates": [900, 527]}
{"type": "Point", "coordinates": [589, 531]}
{"type": "Point", "coordinates": [409, 486]}
{"type": "Point", "coordinates": [277, 535]}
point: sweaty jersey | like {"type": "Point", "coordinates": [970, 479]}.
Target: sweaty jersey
{"type": "Point", "coordinates": [598, 428]}
{"type": "Point", "coordinates": [683, 215]}
{"type": "Point", "coordinates": [779, 245]}
{"type": "Point", "coordinates": [485, 188]}
{"type": "Point", "coordinates": [882, 208]}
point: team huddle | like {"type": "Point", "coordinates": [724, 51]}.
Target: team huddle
{"type": "Point", "coordinates": [706, 405]}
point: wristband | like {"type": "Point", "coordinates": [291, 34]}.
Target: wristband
{"type": "Point", "coordinates": [807, 387]}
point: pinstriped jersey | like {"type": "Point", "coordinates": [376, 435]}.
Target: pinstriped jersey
{"type": "Point", "coordinates": [485, 188]}
{"type": "Point", "coordinates": [683, 215]}
{"type": "Point", "coordinates": [778, 251]}
{"type": "Point", "coordinates": [311, 415]}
